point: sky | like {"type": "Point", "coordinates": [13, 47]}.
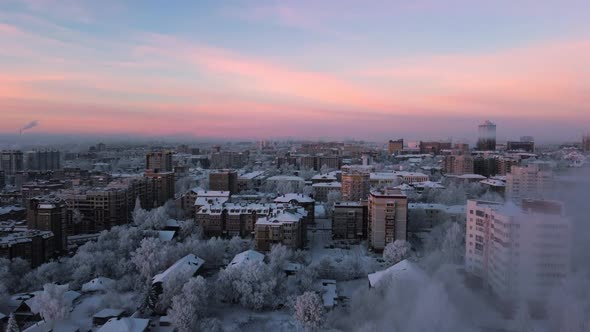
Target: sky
{"type": "Point", "coordinates": [296, 69]}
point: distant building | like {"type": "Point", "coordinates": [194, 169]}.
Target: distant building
{"type": "Point", "coordinates": [458, 164]}
{"type": "Point", "coordinates": [43, 160]}
{"type": "Point", "coordinates": [355, 185]}
{"type": "Point", "coordinates": [159, 161]}
{"type": "Point", "coordinates": [49, 214]}
{"type": "Point", "coordinates": [520, 253]}
{"type": "Point", "coordinates": [520, 146]}
{"type": "Point", "coordinates": [388, 217]}
{"type": "Point", "coordinates": [224, 180]}
{"type": "Point", "coordinates": [486, 136]}
{"type": "Point", "coordinates": [527, 182]}
{"type": "Point", "coordinates": [434, 147]}
{"type": "Point", "coordinates": [395, 146]}
{"type": "Point", "coordinates": [2, 180]}
{"type": "Point", "coordinates": [322, 189]}
{"type": "Point", "coordinates": [230, 159]}
{"type": "Point", "coordinates": [11, 161]}
{"type": "Point", "coordinates": [586, 143]}
{"type": "Point", "coordinates": [162, 186]}
{"type": "Point", "coordinates": [349, 220]}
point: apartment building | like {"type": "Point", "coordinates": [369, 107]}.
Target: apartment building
{"type": "Point", "coordinates": [349, 220]}
{"type": "Point", "coordinates": [520, 253]}
{"type": "Point", "coordinates": [355, 186]}
{"type": "Point", "coordinates": [279, 227]}
{"type": "Point", "coordinates": [529, 181]}
{"type": "Point", "coordinates": [388, 217]}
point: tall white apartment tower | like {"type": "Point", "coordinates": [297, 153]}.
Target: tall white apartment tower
{"type": "Point", "coordinates": [520, 253]}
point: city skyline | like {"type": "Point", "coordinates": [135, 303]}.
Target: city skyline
{"type": "Point", "coordinates": [332, 70]}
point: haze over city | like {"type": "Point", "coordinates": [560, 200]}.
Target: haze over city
{"type": "Point", "coordinates": [295, 69]}
{"type": "Point", "coordinates": [240, 165]}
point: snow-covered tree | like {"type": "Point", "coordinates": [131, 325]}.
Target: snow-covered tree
{"type": "Point", "coordinates": [306, 278]}
{"type": "Point", "coordinates": [278, 256]}
{"type": "Point", "coordinates": [309, 310]}
{"type": "Point", "coordinates": [190, 305]}
{"type": "Point", "coordinates": [235, 246]}
{"type": "Point", "coordinates": [211, 325]}
{"type": "Point", "coordinates": [331, 198]}
{"type": "Point", "coordinates": [396, 251]}
{"type": "Point", "coordinates": [52, 303]}
{"type": "Point", "coordinates": [285, 187]}
{"type": "Point", "coordinates": [12, 325]}
{"type": "Point", "coordinates": [149, 258]}
{"type": "Point", "coordinates": [253, 284]}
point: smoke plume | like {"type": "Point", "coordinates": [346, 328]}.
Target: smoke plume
{"type": "Point", "coordinates": [30, 125]}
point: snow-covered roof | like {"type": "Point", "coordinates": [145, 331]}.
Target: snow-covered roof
{"type": "Point", "coordinates": [300, 198]}
{"type": "Point", "coordinates": [286, 178]}
{"type": "Point", "coordinates": [279, 218]}
{"type": "Point", "coordinates": [404, 187]}
{"type": "Point", "coordinates": [186, 266]}
{"type": "Point", "coordinates": [166, 236]}
{"type": "Point", "coordinates": [325, 176]}
{"type": "Point", "coordinates": [106, 313]}
{"type": "Point", "coordinates": [247, 256]}
{"type": "Point", "coordinates": [9, 209]}
{"type": "Point", "coordinates": [98, 284]}
{"type": "Point", "coordinates": [327, 185]}
{"type": "Point", "coordinates": [470, 177]}
{"type": "Point", "coordinates": [125, 325]}
{"type": "Point", "coordinates": [403, 268]}
{"type": "Point", "coordinates": [329, 293]}
{"type": "Point", "coordinates": [493, 183]}
{"type": "Point", "coordinates": [251, 175]}
{"type": "Point", "coordinates": [428, 184]}
{"type": "Point", "coordinates": [212, 193]}
{"type": "Point", "coordinates": [69, 297]}
{"type": "Point", "coordinates": [53, 326]}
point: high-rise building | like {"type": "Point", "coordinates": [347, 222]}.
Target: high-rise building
{"type": "Point", "coordinates": [11, 161]}
{"type": "Point", "coordinates": [224, 180]}
{"type": "Point", "coordinates": [458, 164]}
{"type": "Point", "coordinates": [34, 246]}
{"type": "Point", "coordinates": [159, 161]}
{"type": "Point", "coordinates": [47, 160]}
{"type": "Point", "coordinates": [355, 185]}
{"type": "Point", "coordinates": [2, 180]}
{"type": "Point", "coordinates": [520, 253]}
{"type": "Point", "coordinates": [388, 217]}
{"type": "Point", "coordinates": [48, 213]}
{"type": "Point", "coordinates": [162, 186]}
{"type": "Point", "coordinates": [586, 143]}
{"type": "Point", "coordinates": [396, 146]}
{"type": "Point", "coordinates": [349, 220]}
{"type": "Point", "coordinates": [527, 182]}
{"type": "Point", "coordinates": [486, 136]}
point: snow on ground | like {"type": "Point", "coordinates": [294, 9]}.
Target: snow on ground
{"type": "Point", "coordinates": [236, 318]}
{"type": "Point", "coordinates": [89, 304]}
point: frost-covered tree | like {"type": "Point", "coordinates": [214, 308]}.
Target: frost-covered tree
{"type": "Point", "coordinates": [278, 256]}
{"type": "Point", "coordinates": [211, 325]}
{"type": "Point", "coordinates": [139, 215]}
{"type": "Point", "coordinates": [309, 310]}
{"type": "Point", "coordinates": [190, 305]}
{"type": "Point", "coordinates": [254, 285]}
{"type": "Point", "coordinates": [149, 258]}
{"type": "Point", "coordinates": [12, 325]}
{"type": "Point", "coordinates": [306, 278]}
{"type": "Point", "coordinates": [235, 246]}
{"type": "Point", "coordinates": [52, 303]}
{"type": "Point", "coordinates": [285, 187]}
{"type": "Point", "coordinates": [396, 251]}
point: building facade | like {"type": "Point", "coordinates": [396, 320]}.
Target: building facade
{"type": "Point", "coordinates": [388, 217]}
{"type": "Point", "coordinates": [355, 186]}
{"type": "Point", "coordinates": [224, 180]}
{"type": "Point", "coordinates": [11, 161]}
{"type": "Point", "coordinates": [49, 214]}
{"type": "Point", "coordinates": [43, 160]}
{"type": "Point", "coordinates": [486, 136]}
{"type": "Point", "coordinates": [395, 146]}
{"type": "Point", "coordinates": [520, 253]}
{"type": "Point", "coordinates": [349, 220]}
{"type": "Point", "coordinates": [527, 182]}
{"type": "Point", "coordinates": [159, 161]}
{"type": "Point", "coordinates": [458, 164]}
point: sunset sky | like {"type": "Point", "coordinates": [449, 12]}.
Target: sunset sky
{"type": "Point", "coordinates": [314, 69]}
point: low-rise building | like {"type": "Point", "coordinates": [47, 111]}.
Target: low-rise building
{"type": "Point", "coordinates": [280, 227]}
